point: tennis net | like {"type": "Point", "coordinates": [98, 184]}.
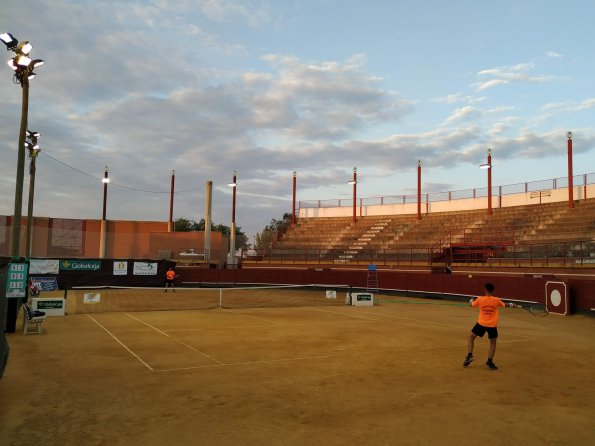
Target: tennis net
{"type": "Point", "coordinates": [100, 299]}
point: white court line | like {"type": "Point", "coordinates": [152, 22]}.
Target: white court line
{"type": "Point", "coordinates": [346, 314]}
{"type": "Point", "coordinates": [176, 340]}
{"type": "Point", "coordinates": [266, 361]}
{"type": "Point", "coordinates": [227, 327]}
{"type": "Point", "coordinates": [254, 317]}
{"type": "Point", "coordinates": [122, 344]}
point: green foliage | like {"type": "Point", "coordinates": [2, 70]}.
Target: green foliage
{"type": "Point", "coordinates": [186, 225]}
{"type": "Point", "coordinates": [272, 232]}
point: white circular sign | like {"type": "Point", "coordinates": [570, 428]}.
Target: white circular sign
{"type": "Point", "coordinates": [555, 298]}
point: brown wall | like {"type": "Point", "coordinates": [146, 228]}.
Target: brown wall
{"type": "Point", "coordinates": [527, 287]}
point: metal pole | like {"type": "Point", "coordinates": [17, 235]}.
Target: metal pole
{"type": "Point", "coordinates": [170, 224]}
{"type": "Point", "coordinates": [489, 182]}
{"type": "Point", "coordinates": [207, 242]}
{"type": "Point", "coordinates": [293, 217]}
{"type": "Point", "coordinates": [419, 190]}
{"type": "Point", "coordinates": [33, 153]}
{"type": "Point", "coordinates": [354, 194]}
{"type": "Point", "coordinates": [103, 228]}
{"type": "Point", "coordinates": [232, 231]}
{"type": "Point", "coordinates": [570, 185]}
{"type": "Point", "coordinates": [18, 194]}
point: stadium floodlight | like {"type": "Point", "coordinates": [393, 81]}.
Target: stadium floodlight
{"type": "Point", "coordinates": [105, 180]}
{"type": "Point", "coordinates": [32, 134]}
{"type": "Point", "coordinates": [10, 42]}
{"type": "Point", "coordinates": [22, 66]}
{"type": "Point", "coordinates": [24, 47]}
{"type": "Point", "coordinates": [488, 166]}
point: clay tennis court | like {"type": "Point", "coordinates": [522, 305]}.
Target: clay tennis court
{"type": "Point", "coordinates": [321, 375]}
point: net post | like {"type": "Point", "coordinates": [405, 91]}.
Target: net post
{"type": "Point", "coordinates": [220, 297]}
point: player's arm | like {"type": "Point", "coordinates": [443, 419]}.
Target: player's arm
{"type": "Point", "coordinates": [473, 302]}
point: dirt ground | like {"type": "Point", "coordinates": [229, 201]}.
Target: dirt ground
{"type": "Point", "coordinates": [384, 375]}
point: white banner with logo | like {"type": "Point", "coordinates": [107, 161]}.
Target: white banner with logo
{"type": "Point", "coordinates": [120, 268]}
{"type": "Point", "coordinates": [145, 269]}
{"type": "Point", "coordinates": [44, 266]}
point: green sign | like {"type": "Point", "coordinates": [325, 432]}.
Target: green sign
{"type": "Point", "coordinates": [50, 304]}
{"type": "Point", "coordinates": [16, 280]}
{"type": "Point", "coordinates": [80, 265]}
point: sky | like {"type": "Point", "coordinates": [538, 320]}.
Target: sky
{"type": "Point", "coordinates": [266, 88]}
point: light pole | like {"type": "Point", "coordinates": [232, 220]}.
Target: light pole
{"type": "Point", "coordinates": [570, 183]}
{"type": "Point", "coordinates": [33, 152]}
{"type": "Point", "coordinates": [170, 224]}
{"type": "Point", "coordinates": [103, 229]}
{"type": "Point", "coordinates": [22, 67]}
{"type": "Point", "coordinates": [488, 166]}
{"type": "Point", "coordinates": [232, 230]}
{"type": "Point", "coordinates": [419, 189]}
{"type": "Point", "coordinates": [293, 219]}
{"type": "Point", "coordinates": [354, 183]}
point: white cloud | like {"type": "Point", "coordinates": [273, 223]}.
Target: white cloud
{"type": "Point", "coordinates": [553, 54]}
{"type": "Point", "coordinates": [507, 74]}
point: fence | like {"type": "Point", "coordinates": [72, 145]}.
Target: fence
{"type": "Point", "coordinates": [497, 191]}
{"type": "Point", "coordinates": [565, 254]}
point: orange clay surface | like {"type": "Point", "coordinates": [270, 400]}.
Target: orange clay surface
{"type": "Point", "coordinates": [384, 375]}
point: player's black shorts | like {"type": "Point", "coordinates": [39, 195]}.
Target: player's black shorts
{"type": "Point", "coordinates": [169, 282]}
{"type": "Point", "coordinates": [480, 330]}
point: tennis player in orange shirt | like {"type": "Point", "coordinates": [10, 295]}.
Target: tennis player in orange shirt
{"type": "Point", "coordinates": [487, 321]}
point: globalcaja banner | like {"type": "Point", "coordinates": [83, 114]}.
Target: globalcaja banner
{"type": "Point", "coordinates": [44, 266]}
{"type": "Point", "coordinates": [145, 269]}
{"type": "Point", "coordinates": [80, 265]}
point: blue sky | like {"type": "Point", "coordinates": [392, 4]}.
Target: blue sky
{"type": "Point", "coordinates": [269, 87]}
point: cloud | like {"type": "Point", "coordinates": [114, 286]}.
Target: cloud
{"type": "Point", "coordinates": [508, 74]}
{"type": "Point", "coordinates": [571, 106]}
{"type": "Point", "coordinates": [553, 54]}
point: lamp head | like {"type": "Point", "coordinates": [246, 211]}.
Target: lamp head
{"type": "Point", "coordinates": [10, 42]}
{"type": "Point", "coordinates": [569, 135]}
{"type": "Point", "coordinates": [24, 47]}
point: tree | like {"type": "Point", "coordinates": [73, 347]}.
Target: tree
{"type": "Point", "coordinates": [272, 232]}
{"type": "Point", "coordinates": [186, 225]}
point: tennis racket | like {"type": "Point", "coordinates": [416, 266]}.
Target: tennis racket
{"type": "Point", "coordinates": [535, 309]}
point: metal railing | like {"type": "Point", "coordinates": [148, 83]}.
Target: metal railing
{"type": "Point", "coordinates": [565, 254]}
{"type": "Point", "coordinates": [508, 189]}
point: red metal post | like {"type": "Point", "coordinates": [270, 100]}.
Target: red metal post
{"type": "Point", "coordinates": [570, 185]}
{"type": "Point", "coordinates": [354, 194]}
{"type": "Point", "coordinates": [233, 205]}
{"type": "Point", "coordinates": [293, 218]}
{"type": "Point", "coordinates": [419, 190]}
{"type": "Point", "coordinates": [171, 202]}
{"type": "Point", "coordinates": [489, 182]}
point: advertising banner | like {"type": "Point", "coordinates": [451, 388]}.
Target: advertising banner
{"type": "Point", "coordinates": [44, 266]}
{"type": "Point", "coordinates": [120, 268]}
{"type": "Point", "coordinates": [145, 269]}
{"type": "Point", "coordinates": [80, 265]}
{"type": "Point", "coordinates": [45, 283]}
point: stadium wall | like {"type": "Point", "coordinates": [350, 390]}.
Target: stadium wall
{"type": "Point", "coordinates": [462, 204]}
{"type": "Point", "coordinates": [518, 286]}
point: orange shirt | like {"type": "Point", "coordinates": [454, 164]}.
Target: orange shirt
{"type": "Point", "coordinates": [488, 310]}
{"type": "Point", "coordinates": [171, 275]}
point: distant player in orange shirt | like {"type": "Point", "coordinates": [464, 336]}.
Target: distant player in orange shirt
{"type": "Point", "coordinates": [170, 275]}
{"type": "Point", "coordinates": [487, 321]}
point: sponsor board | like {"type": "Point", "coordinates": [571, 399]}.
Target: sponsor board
{"type": "Point", "coordinates": [44, 266]}
{"type": "Point", "coordinates": [145, 269]}
{"type": "Point", "coordinates": [80, 265]}
{"type": "Point", "coordinates": [331, 294]}
{"type": "Point", "coordinates": [45, 283]}
{"type": "Point", "coordinates": [91, 298]}
{"type": "Point", "coordinates": [120, 268]}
